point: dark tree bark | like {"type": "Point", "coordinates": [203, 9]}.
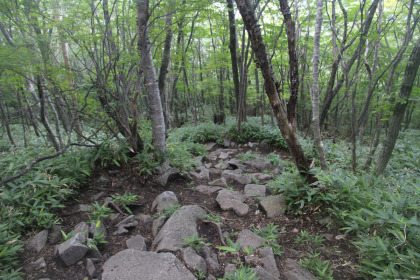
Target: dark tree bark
{"type": "Point", "coordinates": [399, 109]}
{"type": "Point", "coordinates": [6, 123]}
{"type": "Point", "coordinates": [270, 86]}
{"type": "Point", "coordinates": [233, 46]}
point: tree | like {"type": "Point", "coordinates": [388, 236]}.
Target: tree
{"type": "Point", "coordinates": [410, 74]}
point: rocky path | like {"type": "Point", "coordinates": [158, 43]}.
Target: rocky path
{"type": "Point", "coordinates": [224, 220]}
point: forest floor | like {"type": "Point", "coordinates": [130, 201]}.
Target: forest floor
{"type": "Point", "coordinates": [343, 259]}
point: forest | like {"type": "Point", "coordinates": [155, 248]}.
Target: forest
{"type": "Point", "coordinates": [107, 104]}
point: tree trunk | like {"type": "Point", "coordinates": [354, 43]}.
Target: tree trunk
{"type": "Point", "coordinates": [315, 87]}
{"type": "Point", "coordinates": [262, 60]}
{"type": "Point", "coordinates": [399, 109]}
{"type": "Point", "coordinates": [7, 124]}
{"type": "Point", "coordinates": [150, 77]}
{"type": "Point", "coordinates": [233, 39]}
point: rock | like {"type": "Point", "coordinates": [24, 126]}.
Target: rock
{"type": "Point", "coordinates": [90, 267]}
{"type": "Point", "coordinates": [73, 250]}
{"type": "Point", "coordinates": [262, 176]}
{"type": "Point", "coordinates": [114, 216]}
{"type": "Point", "coordinates": [222, 166]}
{"type": "Point", "coordinates": [265, 257]}
{"type": "Point", "coordinates": [193, 260]}
{"type": "Point", "coordinates": [201, 174]}
{"type": "Point", "coordinates": [136, 242]}
{"type": "Point", "coordinates": [264, 144]}
{"type": "Point", "coordinates": [327, 221]}
{"type": "Point", "coordinates": [223, 156]}
{"type": "Point", "coordinates": [236, 175]}
{"type": "Point", "coordinates": [143, 218]}
{"type": "Point", "coordinates": [97, 196]}
{"type": "Point", "coordinates": [211, 259]}
{"type": "Point", "coordinates": [97, 228]}
{"type": "Point", "coordinates": [133, 264]}
{"type": "Point", "coordinates": [329, 236]}
{"type": "Point", "coordinates": [211, 277]}
{"type": "Point", "coordinates": [82, 227]}
{"type": "Point", "coordinates": [113, 172]}
{"type": "Point", "coordinates": [38, 242]}
{"type": "Point", "coordinates": [252, 145]}
{"type": "Point", "coordinates": [294, 253]}
{"type": "Point", "coordinates": [128, 222]}
{"type": "Point", "coordinates": [102, 180]}
{"type": "Point", "coordinates": [249, 239]}
{"type": "Point", "coordinates": [93, 253]}
{"type": "Point", "coordinates": [157, 224]}
{"type": "Point", "coordinates": [198, 161]}
{"type": "Point", "coordinates": [328, 252]}
{"type": "Point", "coordinates": [169, 174]}
{"type": "Point", "coordinates": [208, 189]}
{"type": "Point", "coordinates": [79, 208]}
{"type": "Point", "coordinates": [259, 164]}
{"type": "Point", "coordinates": [263, 274]}
{"type": "Point", "coordinates": [218, 182]}
{"type": "Point", "coordinates": [226, 142]}
{"type": "Point", "coordinates": [38, 264]}
{"type": "Point", "coordinates": [55, 235]}
{"type": "Point", "coordinates": [252, 190]}
{"type": "Point", "coordinates": [236, 164]}
{"type": "Point", "coordinates": [164, 200]}
{"type": "Point", "coordinates": [181, 224]}
{"type": "Point", "coordinates": [295, 272]}
{"type": "Point", "coordinates": [210, 146]}
{"type": "Point", "coordinates": [215, 172]}
{"type": "Point", "coordinates": [232, 200]}
{"type": "Point", "coordinates": [273, 205]}
{"type": "Point", "coordinates": [208, 165]}
{"type": "Point", "coordinates": [230, 269]}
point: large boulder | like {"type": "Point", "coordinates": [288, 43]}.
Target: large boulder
{"type": "Point", "coordinates": [273, 205]}
{"type": "Point", "coordinates": [133, 264]}
{"type": "Point", "coordinates": [259, 164]}
{"type": "Point", "coordinates": [38, 242]}
{"type": "Point", "coordinates": [73, 250]}
{"type": "Point", "coordinates": [164, 200]}
{"type": "Point", "coordinates": [194, 260]}
{"type": "Point", "coordinates": [228, 199]}
{"type": "Point", "coordinates": [294, 272]}
{"type": "Point", "coordinates": [265, 257]}
{"type": "Point", "coordinates": [181, 224]}
{"type": "Point", "coordinates": [249, 239]}
{"type": "Point", "coordinates": [253, 190]}
{"type": "Point", "coordinates": [201, 173]}
{"type": "Point", "coordinates": [236, 175]}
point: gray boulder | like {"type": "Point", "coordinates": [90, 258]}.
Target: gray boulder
{"type": "Point", "coordinates": [38, 242]}
{"type": "Point", "coordinates": [295, 272]}
{"type": "Point", "coordinates": [249, 239]}
{"type": "Point", "coordinates": [125, 224]}
{"type": "Point", "coordinates": [166, 176]}
{"type": "Point", "coordinates": [228, 199]}
{"type": "Point", "coordinates": [263, 274]}
{"type": "Point", "coordinates": [133, 264]}
{"type": "Point", "coordinates": [81, 227]}
{"type": "Point", "coordinates": [55, 235]}
{"type": "Point", "coordinates": [193, 260]}
{"type": "Point", "coordinates": [164, 200]}
{"type": "Point", "coordinates": [210, 146]}
{"type": "Point", "coordinates": [136, 242]}
{"type": "Point", "coordinates": [90, 267]}
{"type": "Point", "coordinates": [236, 175]}
{"type": "Point", "coordinates": [97, 228]}
{"type": "Point", "coordinates": [181, 224]}
{"type": "Point", "coordinates": [208, 189]}
{"type": "Point", "coordinates": [201, 173]}
{"type": "Point", "coordinates": [273, 205]}
{"type": "Point", "coordinates": [221, 182]}
{"type": "Point", "coordinates": [252, 190]}
{"type": "Point", "coordinates": [265, 257]}
{"type": "Point", "coordinates": [157, 224]}
{"type": "Point", "coordinates": [259, 164]}
{"type": "Point", "coordinates": [73, 250]}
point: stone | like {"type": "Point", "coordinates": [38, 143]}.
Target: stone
{"type": "Point", "coordinates": [38, 264]}
{"type": "Point", "coordinates": [82, 227]}
{"type": "Point", "coordinates": [226, 142]}
{"type": "Point", "coordinates": [167, 176]}
{"type": "Point", "coordinates": [113, 172]}
{"type": "Point", "coordinates": [98, 228]}
{"type": "Point", "coordinates": [211, 277]}
{"type": "Point", "coordinates": [273, 205]}
{"type": "Point", "coordinates": [228, 199]}
{"type": "Point", "coordinates": [114, 216]}
{"type": "Point", "coordinates": [133, 264]}
{"type": "Point", "coordinates": [210, 146]}
{"type": "Point", "coordinates": [236, 164]}
{"type": "Point", "coordinates": [249, 239]}
{"type": "Point", "coordinates": [90, 267]}
{"type": "Point", "coordinates": [97, 196]}
{"type": "Point", "coordinates": [102, 180]}
{"type": "Point", "coordinates": [259, 164]}
{"type": "Point", "coordinates": [252, 190]}
{"type": "Point", "coordinates": [208, 165]}
{"type": "Point", "coordinates": [222, 166]}
{"type": "Point", "coordinates": [193, 260]}
{"type": "Point", "coordinates": [79, 208]}
{"type": "Point", "coordinates": [230, 269]}
{"type": "Point", "coordinates": [136, 242]}
{"type": "Point", "coordinates": [262, 176]}
{"type": "Point", "coordinates": [211, 259]}
{"type": "Point", "coordinates": [223, 156]}
{"type": "Point", "coordinates": [263, 274]}
{"type": "Point", "coordinates": [215, 172]}
{"type": "Point", "coordinates": [329, 236]}
{"type": "Point", "coordinates": [295, 272]}
{"type": "Point", "coordinates": [264, 144]}
{"type": "Point", "coordinates": [181, 224]}
{"type": "Point", "coordinates": [143, 218]}
{"type": "Point", "coordinates": [55, 235]}
{"type": "Point", "coordinates": [164, 200]}
{"type": "Point", "coordinates": [38, 241]}
{"type": "Point", "coordinates": [236, 175]}
{"type": "Point", "coordinates": [218, 182]}
{"type": "Point", "coordinates": [252, 145]}
{"type": "Point", "coordinates": [73, 250]}
{"type": "Point", "coordinates": [157, 225]}
{"type": "Point", "coordinates": [208, 189]}
{"type": "Point", "coordinates": [201, 173]}
{"type": "Point", "coordinates": [265, 257]}
{"type": "Point", "coordinates": [128, 222]}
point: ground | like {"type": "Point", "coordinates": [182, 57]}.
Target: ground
{"type": "Point", "coordinates": [126, 179]}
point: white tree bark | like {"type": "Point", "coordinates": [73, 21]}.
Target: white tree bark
{"type": "Point", "coordinates": [315, 88]}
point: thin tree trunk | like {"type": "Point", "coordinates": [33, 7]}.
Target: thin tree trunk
{"type": "Point", "coordinates": [150, 77]}
{"type": "Point", "coordinates": [315, 87]}
{"type": "Point", "coordinates": [262, 60]}
{"type": "Point", "coordinates": [399, 109]}
{"type": "Point", "coordinates": [233, 39]}
{"type": "Point", "coordinates": [7, 124]}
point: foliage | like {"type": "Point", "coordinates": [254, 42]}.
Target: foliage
{"type": "Point", "coordinates": [213, 217]}
{"type": "Point", "coordinates": [125, 200]}
{"type": "Point", "coordinates": [9, 246]}
{"type": "Point", "coordinates": [111, 152]}
{"type": "Point", "coordinates": [315, 264]}
{"type": "Point", "coordinates": [243, 157]}
{"type": "Point", "coordinates": [99, 212]}
{"type": "Point", "coordinates": [242, 273]}
{"type": "Point", "coordinates": [304, 237]}
{"type": "Point", "coordinates": [271, 234]}
{"type": "Point", "coordinates": [168, 211]}
{"type": "Point", "coordinates": [195, 242]}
